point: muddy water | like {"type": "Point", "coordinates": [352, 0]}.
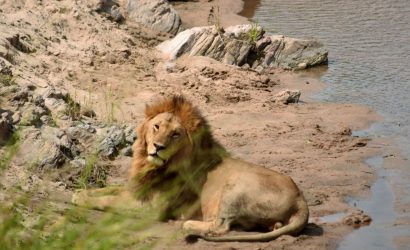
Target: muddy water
{"type": "Point", "coordinates": [369, 44]}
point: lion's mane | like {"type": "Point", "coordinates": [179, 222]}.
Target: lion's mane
{"type": "Point", "coordinates": [183, 173]}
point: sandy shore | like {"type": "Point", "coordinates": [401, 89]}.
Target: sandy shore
{"type": "Point", "coordinates": [309, 141]}
{"type": "Point", "coordinates": [196, 13]}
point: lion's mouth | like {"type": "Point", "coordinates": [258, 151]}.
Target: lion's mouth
{"type": "Point", "coordinates": [156, 159]}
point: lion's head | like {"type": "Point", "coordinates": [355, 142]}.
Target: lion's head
{"type": "Point", "coordinates": [173, 131]}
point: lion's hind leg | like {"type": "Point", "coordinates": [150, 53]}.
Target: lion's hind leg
{"type": "Point", "coordinates": [216, 227]}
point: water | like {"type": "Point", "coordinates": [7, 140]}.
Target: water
{"type": "Point", "coordinates": [369, 44]}
{"type": "Point", "coordinates": [369, 63]}
{"type": "Point", "coordinates": [380, 233]}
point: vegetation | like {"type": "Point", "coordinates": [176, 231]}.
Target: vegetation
{"type": "Point", "coordinates": [93, 174]}
{"type": "Point", "coordinates": [7, 80]}
{"type": "Point", "coordinates": [9, 150]}
{"type": "Point", "coordinates": [214, 18]}
{"type": "Point", "coordinates": [73, 109]}
{"type": "Point", "coordinates": [255, 32]}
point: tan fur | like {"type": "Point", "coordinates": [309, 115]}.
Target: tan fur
{"type": "Point", "coordinates": [231, 191]}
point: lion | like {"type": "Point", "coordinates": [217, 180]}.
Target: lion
{"type": "Point", "coordinates": [176, 155]}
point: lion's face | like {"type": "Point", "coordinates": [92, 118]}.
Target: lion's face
{"type": "Point", "coordinates": [164, 137]}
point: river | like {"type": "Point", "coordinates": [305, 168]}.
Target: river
{"type": "Point", "coordinates": [369, 63]}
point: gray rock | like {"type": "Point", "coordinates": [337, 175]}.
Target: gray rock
{"type": "Point", "coordinates": [111, 8]}
{"type": "Point", "coordinates": [47, 147]}
{"type": "Point", "coordinates": [287, 96]}
{"type": "Point", "coordinates": [84, 134]}
{"type": "Point", "coordinates": [5, 67]}
{"type": "Point", "coordinates": [206, 41]}
{"type": "Point", "coordinates": [127, 151]}
{"type": "Point", "coordinates": [156, 14]}
{"type": "Point", "coordinates": [235, 47]}
{"type": "Point", "coordinates": [130, 134]}
{"type": "Point", "coordinates": [292, 53]}
{"type": "Point", "coordinates": [78, 163]}
{"type": "Point", "coordinates": [113, 140]}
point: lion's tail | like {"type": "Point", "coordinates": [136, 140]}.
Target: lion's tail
{"type": "Point", "coordinates": [296, 224]}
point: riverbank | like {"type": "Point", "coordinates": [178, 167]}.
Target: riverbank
{"type": "Point", "coordinates": [114, 69]}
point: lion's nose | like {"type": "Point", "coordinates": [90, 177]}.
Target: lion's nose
{"type": "Point", "coordinates": [159, 147]}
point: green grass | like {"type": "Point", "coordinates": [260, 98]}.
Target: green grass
{"type": "Point", "coordinates": [93, 174]}
{"type": "Point", "coordinates": [255, 32]}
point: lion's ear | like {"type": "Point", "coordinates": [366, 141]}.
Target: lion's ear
{"type": "Point", "coordinates": [148, 111]}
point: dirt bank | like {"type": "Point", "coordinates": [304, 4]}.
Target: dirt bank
{"type": "Point", "coordinates": [113, 69]}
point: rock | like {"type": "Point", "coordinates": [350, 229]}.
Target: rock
{"type": "Point", "coordinates": [84, 134]}
{"type": "Point", "coordinates": [16, 117]}
{"type": "Point", "coordinates": [206, 41]}
{"type": "Point", "coordinates": [113, 140]}
{"type": "Point", "coordinates": [5, 67]}
{"type": "Point", "coordinates": [51, 92]}
{"type": "Point", "coordinates": [292, 53]}
{"type": "Point", "coordinates": [127, 151]}
{"type": "Point", "coordinates": [357, 219]}
{"type": "Point", "coordinates": [287, 96]}
{"type": "Point", "coordinates": [46, 147]}
{"type": "Point", "coordinates": [111, 8]}
{"type": "Point", "coordinates": [156, 14]}
{"type": "Point", "coordinates": [20, 42]}
{"type": "Point", "coordinates": [235, 46]}
{"type": "Point", "coordinates": [130, 134]}
{"type": "Point", "coordinates": [78, 163]}
{"type": "Point", "coordinates": [31, 115]}
{"type": "Point", "coordinates": [6, 126]}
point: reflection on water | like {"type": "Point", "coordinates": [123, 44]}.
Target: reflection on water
{"type": "Point", "coordinates": [249, 7]}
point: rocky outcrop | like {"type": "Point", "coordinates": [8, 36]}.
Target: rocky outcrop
{"type": "Point", "coordinates": [156, 14]}
{"type": "Point", "coordinates": [245, 44]}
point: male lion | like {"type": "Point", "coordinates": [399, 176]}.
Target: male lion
{"type": "Point", "coordinates": [176, 155]}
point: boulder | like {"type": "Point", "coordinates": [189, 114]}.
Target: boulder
{"type": "Point", "coordinates": [156, 14]}
{"type": "Point", "coordinates": [245, 44]}
{"type": "Point", "coordinates": [287, 96]}
{"type": "Point", "coordinates": [291, 53]}
{"type": "Point", "coordinates": [46, 147]}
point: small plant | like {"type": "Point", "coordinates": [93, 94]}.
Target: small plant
{"type": "Point", "coordinates": [110, 105]}
{"type": "Point", "coordinates": [255, 32]}
{"type": "Point", "coordinates": [7, 80]}
{"type": "Point", "coordinates": [87, 106]}
{"type": "Point", "coordinates": [73, 109]}
{"type": "Point", "coordinates": [214, 18]}
{"type": "Point", "coordinates": [93, 174]}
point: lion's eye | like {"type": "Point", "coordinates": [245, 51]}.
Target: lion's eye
{"type": "Point", "coordinates": [156, 127]}
{"type": "Point", "coordinates": [175, 135]}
